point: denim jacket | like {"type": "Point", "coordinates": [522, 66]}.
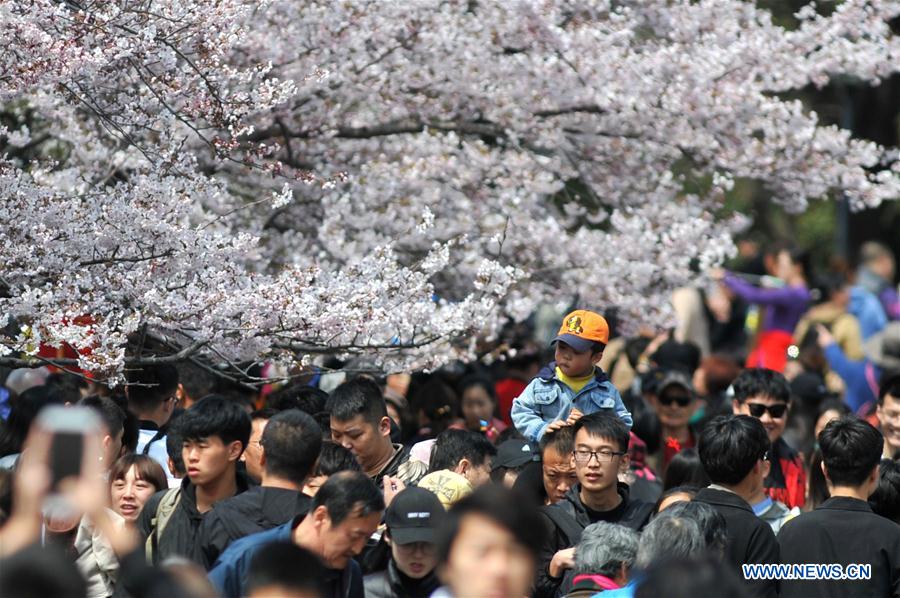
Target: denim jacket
{"type": "Point", "coordinates": [547, 398]}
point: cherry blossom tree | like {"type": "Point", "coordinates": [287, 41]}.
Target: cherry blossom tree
{"type": "Point", "coordinates": [244, 180]}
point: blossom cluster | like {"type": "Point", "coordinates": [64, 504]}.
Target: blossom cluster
{"type": "Point", "coordinates": [287, 179]}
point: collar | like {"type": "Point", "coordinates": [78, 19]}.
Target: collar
{"type": "Point", "coordinates": [762, 506]}
{"type": "Point", "coordinates": [574, 496]}
{"type": "Point", "coordinates": [600, 581]}
{"type": "Point", "coordinates": [845, 503]}
{"type": "Point", "coordinates": [548, 373]}
{"type": "Point", "coordinates": [719, 495]}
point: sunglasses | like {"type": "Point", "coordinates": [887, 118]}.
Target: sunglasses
{"type": "Point", "coordinates": [681, 400]}
{"type": "Point", "coordinates": [777, 410]}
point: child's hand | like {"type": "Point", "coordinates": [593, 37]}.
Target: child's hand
{"type": "Point", "coordinates": [556, 425]}
{"type": "Point", "coordinates": [574, 416]}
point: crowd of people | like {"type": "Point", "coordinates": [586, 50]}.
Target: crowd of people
{"type": "Point", "coordinates": [764, 429]}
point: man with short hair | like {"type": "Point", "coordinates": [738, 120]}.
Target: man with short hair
{"type": "Point", "coordinates": [487, 545]}
{"type": "Point", "coordinates": [289, 448]}
{"type": "Point", "coordinates": [888, 413]}
{"type": "Point", "coordinates": [557, 469]}
{"type": "Point", "coordinates": [114, 421]}
{"type": "Point", "coordinates": [600, 455]}
{"type": "Point", "coordinates": [766, 395]}
{"type": "Point", "coordinates": [843, 530]}
{"type": "Point", "coordinates": [464, 452]}
{"type": "Point", "coordinates": [360, 423]}
{"type": "Point", "coordinates": [151, 393]}
{"type": "Point", "coordinates": [284, 569]}
{"type": "Point", "coordinates": [251, 458]}
{"type": "Point", "coordinates": [214, 433]}
{"type": "Point", "coordinates": [733, 450]}
{"type": "Point", "coordinates": [344, 513]}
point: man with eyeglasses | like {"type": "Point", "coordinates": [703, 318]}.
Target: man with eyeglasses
{"type": "Point", "coordinates": [600, 455]}
{"type": "Point", "coordinates": [766, 395]}
{"type": "Point", "coordinates": [733, 450]}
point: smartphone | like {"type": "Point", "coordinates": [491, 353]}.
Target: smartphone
{"type": "Point", "coordinates": [68, 427]}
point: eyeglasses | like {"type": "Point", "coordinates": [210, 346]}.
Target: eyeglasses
{"type": "Point", "coordinates": [603, 456]}
{"type": "Point", "coordinates": [682, 400]}
{"type": "Point", "coordinates": [777, 410]}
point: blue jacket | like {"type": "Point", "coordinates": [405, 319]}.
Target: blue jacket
{"type": "Point", "coordinates": [866, 307]}
{"type": "Point", "coordinates": [547, 398]}
{"type": "Point", "coordinates": [229, 574]}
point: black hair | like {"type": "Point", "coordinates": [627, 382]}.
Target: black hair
{"type": "Point", "coordinates": [597, 347]}
{"type": "Point", "coordinates": [348, 494]}
{"type": "Point", "coordinates": [451, 446]}
{"type": "Point", "coordinates": [832, 404]}
{"type": "Point", "coordinates": [66, 386]}
{"type": "Point", "coordinates": [885, 501]}
{"type": "Point", "coordinates": [501, 506]}
{"type": "Point", "coordinates": [437, 402]}
{"type": "Point", "coordinates": [333, 458]}
{"type": "Point", "coordinates": [112, 416]}
{"type": "Point", "coordinates": [604, 425]}
{"type": "Point", "coordinates": [39, 571]}
{"type": "Point", "coordinates": [285, 565]}
{"type": "Point", "coordinates": [831, 283]}
{"type": "Point", "coordinates": [818, 485]}
{"type": "Point", "coordinates": [761, 382]}
{"type": "Point", "coordinates": [216, 416]}
{"type": "Point", "coordinates": [689, 490]}
{"type": "Point", "coordinates": [150, 386]}
{"type": "Point", "coordinates": [562, 440]}
{"type": "Point", "coordinates": [688, 578]}
{"type": "Point", "coordinates": [196, 381]}
{"type": "Point", "coordinates": [889, 386]}
{"type": "Point", "coordinates": [851, 448]}
{"type": "Point", "coordinates": [298, 396]}
{"type": "Point", "coordinates": [174, 444]}
{"type": "Point", "coordinates": [685, 469]}
{"type": "Point", "coordinates": [265, 413]}
{"type": "Point", "coordinates": [730, 446]}
{"type": "Point", "coordinates": [131, 427]}
{"type": "Point", "coordinates": [24, 409]}
{"type": "Point", "coordinates": [360, 396]}
{"type": "Point", "coordinates": [291, 441]}
{"type": "Point", "coordinates": [479, 381]}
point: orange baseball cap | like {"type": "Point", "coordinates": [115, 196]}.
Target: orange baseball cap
{"type": "Point", "coordinates": [581, 329]}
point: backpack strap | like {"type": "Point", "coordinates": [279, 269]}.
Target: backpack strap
{"type": "Point", "coordinates": [565, 523]}
{"type": "Point", "coordinates": [164, 510]}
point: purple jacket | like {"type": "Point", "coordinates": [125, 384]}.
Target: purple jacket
{"type": "Point", "coordinates": [785, 305]}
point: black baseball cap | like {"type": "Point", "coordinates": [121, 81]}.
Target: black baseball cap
{"type": "Point", "coordinates": [414, 516]}
{"type": "Point", "coordinates": [512, 453]}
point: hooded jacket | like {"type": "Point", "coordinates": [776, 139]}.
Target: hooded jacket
{"type": "Point", "coordinates": [391, 583]}
{"type": "Point", "coordinates": [564, 522]}
{"type": "Point", "coordinates": [547, 399]}
{"type": "Point", "coordinates": [258, 509]}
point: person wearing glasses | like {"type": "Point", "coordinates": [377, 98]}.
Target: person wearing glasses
{"type": "Point", "coordinates": [733, 450]}
{"type": "Point", "coordinates": [599, 456]}
{"type": "Point", "coordinates": [766, 395]}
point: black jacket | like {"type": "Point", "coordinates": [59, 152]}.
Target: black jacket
{"type": "Point", "coordinates": [259, 508]}
{"type": "Point", "coordinates": [179, 538]}
{"type": "Point", "coordinates": [845, 531]}
{"type": "Point", "coordinates": [391, 583]}
{"type": "Point", "coordinates": [559, 533]}
{"type": "Point", "coordinates": [750, 539]}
